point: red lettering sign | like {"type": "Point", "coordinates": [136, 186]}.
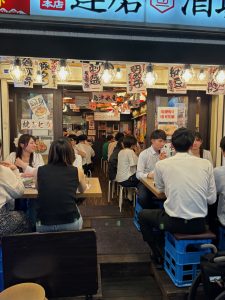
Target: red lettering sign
{"type": "Point", "coordinates": [53, 4]}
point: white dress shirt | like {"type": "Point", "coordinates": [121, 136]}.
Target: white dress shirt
{"type": "Point", "coordinates": [89, 152]}
{"type": "Point", "coordinates": [37, 161]}
{"type": "Point", "coordinates": [219, 173]}
{"type": "Point", "coordinates": [11, 185]}
{"type": "Point", "coordinates": [206, 155]}
{"type": "Point", "coordinates": [146, 162]}
{"type": "Point", "coordinates": [188, 183]}
{"type": "Point", "coordinates": [127, 164]}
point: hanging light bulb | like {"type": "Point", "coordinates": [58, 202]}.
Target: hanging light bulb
{"type": "Point", "coordinates": [219, 75]}
{"type": "Point", "coordinates": [63, 72]}
{"type": "Point", "coordinates": [150, 77]}
{"type": "Point", "coordinates": [118, 73]}
{"type": "Point", "coordinates": [108, 72]}
{"type": "Point", "coordinates": [17, 72]}
{"type": "Point", "coordinates": [202, 75]}
{"type": "Point", "coordinates": [188, 73]}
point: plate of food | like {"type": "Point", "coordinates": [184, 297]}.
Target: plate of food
{"type": "Point", "coordinates": [41, 111]}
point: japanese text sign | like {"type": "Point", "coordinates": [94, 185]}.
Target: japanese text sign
{"type": "Point", "coordinates": [175, 83]}
{"type": "Point", "coordinates": [91, 77]}
{"type": "Point", "coordinates": [135, 82]}
{"type": "Point", "coordinates": [197, 13]}
{"type": "Point", "coordinates": [167, 114]}
{"type": "Point", "coordinates": [36, 124]}
{"type": "Point", "coordinates": [213, 88]}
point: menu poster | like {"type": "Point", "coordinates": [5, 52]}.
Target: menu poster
{"type": "Point", "coordinates": [213, 88]}
{"type": "Point", "coordinates": [167, 114]}
{"type": "Point", "coordinates": [38, 106]}
{"type": "Point", "coordinates": [91, 77]}
{"type": "Point", "coordinates": [135, 83]}
{"type": "Point", "coordinates": [91, 124]}
{"type": "Point", "coordinates": [27, 65]}
{"type": "Point", "coordinates": [175, 83]}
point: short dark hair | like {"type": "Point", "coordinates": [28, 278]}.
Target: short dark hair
{"type": "Point", "coordinates": [61, 152]}
{"type": "Point", "coordinates": [158, 134]}
{"type": "Point", "coordinates": [78, 127]}
{"type": "Point", "coordinates": [222, 144]}
{"type": "Point", "coordinates": [72, 137]}
{"type": "Point", "coordinates": [82, 137]}
{"type": "Point", "coordinates": [129, 141]}
{"type": "Point", "coordinates": [119, 135]}
{"type": "Point", "coordinates": [197, 135]}
{"type": "Point", "coordinates": [182, 139]}
{"type": "Point", "coordinates": [109, 137]}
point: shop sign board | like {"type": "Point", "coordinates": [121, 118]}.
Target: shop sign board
{"type": "Point", "coordinates": [167, 114]}
{"type": "Point", "coordinates": [195, 13]}
{"type": "Point", "coordinates": [106, 116]}
{"type": "Point", "coordinates": [36, 124]}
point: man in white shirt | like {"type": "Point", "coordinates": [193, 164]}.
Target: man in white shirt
{"type": "Point", "coordinates": [87, 149]}
{"type": "Point", "coordinates": [219, 173]}
{"type": "Point", "coordinates": [146, 164]}
{"type": "Point", "coordinates": [189, 185]}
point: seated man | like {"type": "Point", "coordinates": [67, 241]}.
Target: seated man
{"type": "Point", "coordinates": [219, 173]}
{"type": "Point", "coordinates": [146, 164]}
{"type": "Point", "coordinates": [189, 185]}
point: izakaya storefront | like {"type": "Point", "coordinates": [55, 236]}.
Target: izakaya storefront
{"type": "Point", "coordinates": [166, 32]}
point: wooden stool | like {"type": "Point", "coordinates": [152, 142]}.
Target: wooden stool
{"type": "Point", "coordinates": [24, 291]}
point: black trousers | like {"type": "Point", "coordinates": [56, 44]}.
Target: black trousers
{"type": "Point", "coordinates": [146, 198]}
{"type": "Point", "coordinates": [153, 219]}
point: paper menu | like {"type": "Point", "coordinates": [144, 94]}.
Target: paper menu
{"type": "Point", "coordinates": [38, 106]}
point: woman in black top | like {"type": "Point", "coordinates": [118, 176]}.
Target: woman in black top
{"type": "Point", "coordinates": [57, 183]}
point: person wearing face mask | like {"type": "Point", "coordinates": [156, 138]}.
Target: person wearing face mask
{"type": "Point", "coordinates": [197, 149]}
{"type": "Point", "coordinates": [25, 157]}
{"type": "Point", "coordinates": [146, 164]}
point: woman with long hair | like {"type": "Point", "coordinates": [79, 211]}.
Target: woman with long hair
{"type": "Point", "coordinates": [197, 149]}
{"type": "Point", "coordinates": [25, 157]}
{"type": "Point", "coordinates": [57, 184]}
{"type": "Point", "coordinates": [11, 187]}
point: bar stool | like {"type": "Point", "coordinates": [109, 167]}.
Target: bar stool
{"type": "Point", "coordinates": [111, 188]}
{"type": "Point", "coordinates": [24, 291]}
{"type": "Point", "coordinates": [121, 193]}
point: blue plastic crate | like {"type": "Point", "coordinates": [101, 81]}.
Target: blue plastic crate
{"type": "Point", "coordinates": [137, 210]}
{"type": "Point", "coordinates": [181, 275]}
{"type": "Point", "coordinates": [181, 246]}
{"type": "Point", "coordinates": [182, 259]}
{"type": "Point", "coordinates": [188, 257]}
{"type": "Point", "coordinates": [221, 245]}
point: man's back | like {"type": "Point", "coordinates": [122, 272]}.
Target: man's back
{"type": "Point", "coordinates": [188, 183]}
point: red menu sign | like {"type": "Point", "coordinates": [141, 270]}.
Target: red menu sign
{"type": "Point", "coordinates": [15, 7]}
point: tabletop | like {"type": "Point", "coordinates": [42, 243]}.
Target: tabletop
{"type": "Point", "coordinates": [149, 183]}
{"type": "Point", "coordinates": [93, 190]}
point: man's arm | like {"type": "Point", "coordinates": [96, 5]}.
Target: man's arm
{"type": "Point", "coordinates": [141, 166]}
{"type": "Point", "coordinates": [159, 183]}
{"type": "Point", "coordinates": [211, 186]}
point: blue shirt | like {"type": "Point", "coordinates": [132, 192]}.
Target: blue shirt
{"type": "Point", "coordinates": [219, 174]}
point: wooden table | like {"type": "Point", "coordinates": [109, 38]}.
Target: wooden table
{"type": "Point", "coordinates": [94, 190]}
{"type": "Point", "coordinates": [149, 183]}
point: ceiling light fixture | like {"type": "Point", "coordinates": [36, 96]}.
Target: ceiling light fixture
{"type": "Point", "coordinates": [219, 75]}
{"type": "Point", "coordinates": [202, 75]}
{"type": "Point", "coordinates": [188, 73]}
{"type": "Point", "coordinates": [150, 76]}
{"type": "Point", "coordinates": [108, 73]}
{"type": "Point", "coordinates": [118, 73]}
{"type": "Point", "coordinates": [17, 72]}
{"type": "Point", "coordinates": [63, 71]}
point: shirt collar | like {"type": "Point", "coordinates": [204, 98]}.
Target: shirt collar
{"type": "Point", "coordinates": [182, 154]}
{"type": "Point", "coordinates": [153, 151]}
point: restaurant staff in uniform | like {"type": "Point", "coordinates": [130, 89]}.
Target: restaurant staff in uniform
{"type": "Point", "coordinates": [189, 185]}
